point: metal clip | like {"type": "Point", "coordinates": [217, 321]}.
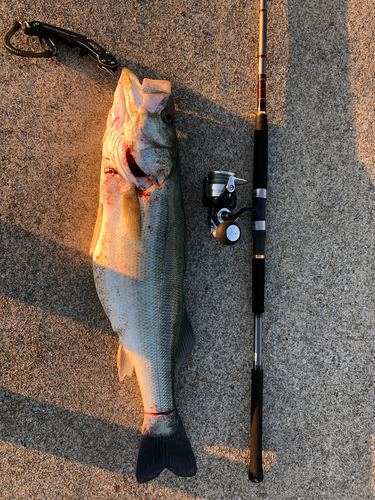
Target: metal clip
{"type": "Point", "coordinates": [105, 59]}
{"type": "Point", "coordinates": [50, 43]}
{"type": "Point", "coordinates": [26, 53]}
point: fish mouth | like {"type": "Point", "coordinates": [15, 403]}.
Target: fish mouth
{"type": "Point", "coordinates": [133, 166]}
{"type": "Point", "coordinates": [143, 180]}
{"type": "Point", "coordinates": [133, 172]}
{"type": "Point", "coordinates": [150, 162]}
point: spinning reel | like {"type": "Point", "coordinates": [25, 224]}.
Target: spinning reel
{"type": "Point", "coordinates": [220, 197]}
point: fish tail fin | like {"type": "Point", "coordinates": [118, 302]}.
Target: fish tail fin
{"type": "Point", "coordinates": [172, 451]}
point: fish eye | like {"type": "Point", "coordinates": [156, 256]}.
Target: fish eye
{"type": "Point", "coordinates": [167, 116]}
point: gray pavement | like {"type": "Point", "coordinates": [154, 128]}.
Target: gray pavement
{"type": "Point", "coordinates": [68, 428]}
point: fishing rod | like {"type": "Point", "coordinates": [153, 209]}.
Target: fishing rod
{"type": "Point", "coordinates": [219, 196]}
{"type": "Point", "coordinates": [259, 236]}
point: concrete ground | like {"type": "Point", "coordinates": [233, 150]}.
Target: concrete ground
{"type": "Point", "coordinates": [68, 428]}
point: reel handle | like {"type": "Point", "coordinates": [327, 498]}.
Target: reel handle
{"type": "Point", "coordinates": [227, 233]}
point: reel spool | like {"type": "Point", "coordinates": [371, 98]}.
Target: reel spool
{"type": "Point", "coordinates": [220, 197]}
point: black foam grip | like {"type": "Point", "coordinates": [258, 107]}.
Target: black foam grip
{"type": "Point", "coordinates": [258, 285]}
{"type": "Point", "coordinates": [260, 151]}
{"type": "Point", "coordinates": [259, 242]}
{"type": "Point", "coordinates": [255, 470]}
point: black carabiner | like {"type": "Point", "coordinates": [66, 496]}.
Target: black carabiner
{"type": "Point", "coordinates": [26, 53]}
{"type": "Point", "coordinates": [104, 59]}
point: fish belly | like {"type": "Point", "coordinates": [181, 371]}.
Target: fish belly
{"type": "Point", "coordinates": [140, 285]}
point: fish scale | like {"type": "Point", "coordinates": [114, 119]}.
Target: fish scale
{"type": "Point", "coordinates": [138, 252]}
{"type": "Point", "coordinates": [145, 331]}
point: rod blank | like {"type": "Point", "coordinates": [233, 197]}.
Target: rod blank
{"type": "Point", "coordinates": [259, 236]}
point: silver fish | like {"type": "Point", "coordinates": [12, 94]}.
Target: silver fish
{"type": "Point", "coordinates": [138, 261]}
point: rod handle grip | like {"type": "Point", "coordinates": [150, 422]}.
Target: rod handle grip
{"type": "Point", "coordinates": [255, 470]}
{"type": "Point", "coordinates": [258, 285]}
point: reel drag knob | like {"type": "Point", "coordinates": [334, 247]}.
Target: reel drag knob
{"type": "Point", "coordinates": [228, 233]}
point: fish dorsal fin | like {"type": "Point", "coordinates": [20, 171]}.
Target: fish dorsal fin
{"type": "Point", "coordinates": [124, 365]}
{"type": "Point", "coordinates": [98, 226]}
{"type": "Point", "coordinates": [186, 341]}
{"type": "Point", "coordinates": [131, 213]}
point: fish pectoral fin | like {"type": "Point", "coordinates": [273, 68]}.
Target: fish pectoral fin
{"type": "Point", "coordinates": [131, 213]}
{"type": "Point", "coordinates": [185, 342]}
{"type": "Point", "coordinates": [124, 365]}
{"type": "Point", "coordinates": [98, 226]}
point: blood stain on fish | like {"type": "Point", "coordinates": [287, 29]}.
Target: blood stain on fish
{"type": "Point", "coordinates": [132, 164]}
{"type": "Point", "coordinates": [134, 258]}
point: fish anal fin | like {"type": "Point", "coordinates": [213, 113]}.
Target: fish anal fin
{"type": "Point", "coordinates": [124, 365]}
{"type": "Point", "coordinates": [97, 228]}
{"type": "Point", "coordinates": [186, 341]}
{"type": "Point", "coordinates": [131, 212]}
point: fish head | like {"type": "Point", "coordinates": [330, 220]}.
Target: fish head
{"type": "Point", "coordinates": [143, 130]}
